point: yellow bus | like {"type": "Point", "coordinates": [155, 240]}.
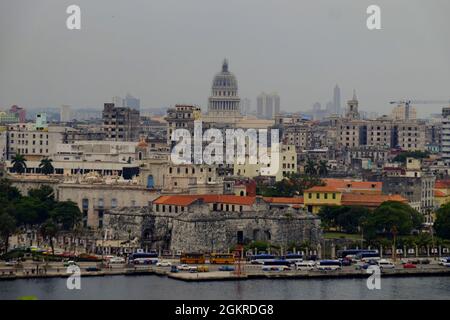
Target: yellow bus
{"type": "Point", "coordinates": [222, 258]}
{"type": "Point", "coordinates": [192, 258]}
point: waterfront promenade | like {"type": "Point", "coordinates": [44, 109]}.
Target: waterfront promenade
{"type": "Point", "coordinates": [32, 270]}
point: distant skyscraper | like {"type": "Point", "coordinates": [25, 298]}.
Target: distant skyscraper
{"type": "Point", "coordinates": [132, 102]}
{"type": "Point", "coordinates": [446, 134]}
{"type": "Point", "coordinates": [245, 106]}
{"type": "Point", "coordinates": [337, 100]}
{"type": "Point", "coordinates": [65, 114]}
{"type": "Point", "coordinates": [118, 102]}
{"type": "Point", "coordinates": [267, 105]}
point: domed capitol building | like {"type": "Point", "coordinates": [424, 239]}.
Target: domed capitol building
{"type": "Point", "coordinates": [224, 102]}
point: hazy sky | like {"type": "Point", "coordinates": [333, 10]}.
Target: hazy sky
{"type": "Point", "coordinates": [167, 51]}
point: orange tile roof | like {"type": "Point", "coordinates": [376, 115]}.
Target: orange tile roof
{"type": "Point", "coordinates": [345, 184]}
{"type": "Point", "coordinates": [185, 200]}
{"type": "Point", "coordinates": [289, 200]}
{"type": "Point", "coordinates": [442, 184]}
{"type": "Point", "coordinates": [322, 189]}
{"type": "Point", "coordinates": [439, 193]}
{"type": "Point", "coordinates": [369, 200]}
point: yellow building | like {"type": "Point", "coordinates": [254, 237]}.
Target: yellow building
{"type": "Point", "coordinates": [317, 197]}
{"type": "Point", "coordinates": [287, 164]}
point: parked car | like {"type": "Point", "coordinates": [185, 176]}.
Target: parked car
{"type": "Point", "coordinates": [11, 263]}
{"type": "Point", "coordinates": [92, 269]}
{"type": "Point", "coordinates": [409, 266]}
{"type": "Point", "coordinates": [385, 264]}
{"type": "Point", "coordinates": [305, 265]}
{"type": "Point", "coordinates": [443, 261]}
{"type": "Point", "coordinates": [226, 268]}
{"type": "Point", "coordinates": [346, 262]}
{"type": "Point", "coordinates": [116, 260]}
{"type": "Point", "coordinates": [163, 264]}
{"type": "Point", "coordinates": [193, 269]}
{"type": "Point", "coordinates": [183, 267]}
{"type": "Point", "coordinates": [174, 269]}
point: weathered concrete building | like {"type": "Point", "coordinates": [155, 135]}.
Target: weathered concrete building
{"type": "Point", "coordinates": [209, 223]}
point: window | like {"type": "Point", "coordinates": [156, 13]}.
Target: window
{"type": "Point", "coordinates": [334, 195]}
{"type": "Point", "coordinates": [113, 203]}
{"type": "Point", "coordinates": [317, 195]}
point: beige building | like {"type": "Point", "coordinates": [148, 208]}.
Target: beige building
{"type": "Point", "coordinates": [287, 164]}
{"type": "Point", "coordinates": [411, 135]}
{"type": "Point", "coordinates": [35, 143]}
{"type": "Point", "coordinates": [402, 112]}
{"type": "Point", "coordinates": [379, 132]}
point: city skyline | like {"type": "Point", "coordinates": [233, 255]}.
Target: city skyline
{"type": "Point", "coordinates": [302, 67]}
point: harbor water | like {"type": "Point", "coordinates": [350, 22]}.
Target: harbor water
{"type": "Point", "coordinates": [156, 287]}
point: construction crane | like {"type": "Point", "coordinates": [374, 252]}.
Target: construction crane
{"type": "Point", "coordinates": [407, 104]}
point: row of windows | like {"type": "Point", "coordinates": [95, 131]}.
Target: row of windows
{"type": "Point", "coordinates": [325, 195]}
{"type": "Point", "coordinates": [23, 135]}
{"type": "Point", "coordinates": [25, 142]}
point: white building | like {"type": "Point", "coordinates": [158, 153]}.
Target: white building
{"type": "Point", "coordinates": [65, 113]}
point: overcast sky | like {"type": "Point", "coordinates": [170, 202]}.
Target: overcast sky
{"type": "Point", "coordinates": [167, 51]}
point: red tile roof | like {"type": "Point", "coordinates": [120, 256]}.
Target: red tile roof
{"type": "Point", "coordinates": [322, 189]}
{"type": "Point", "coordinates": [439, 193]}
{"type": "Point", "coordinates": [369, 200]}
{"type": "Point", "coordinates": [442, 184]}
{"type": "Point", "coordinates": [287, 200]}
{"type": "Point", "coordinates": [185, 200]}
{"type": "Point", "coordinates": [350, 184]}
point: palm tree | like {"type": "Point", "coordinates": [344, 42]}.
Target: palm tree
{"type": "Point", "coordinates": [322, 168]}
{"type": "Point", "coordinates": [49, 230]}
{"type": "Point", "coordinates": [46, 166]}
{"type": "Point", "coordinates": [19, 163]}
{"type": "Point", "coordinates": [310, 167]}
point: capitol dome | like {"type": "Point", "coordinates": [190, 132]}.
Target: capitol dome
{"type": "Point", "coordinates": [224, 80]}
{"type": "Point", "coordinates": [224, 100]}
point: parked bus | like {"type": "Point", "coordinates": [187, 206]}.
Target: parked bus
{"type": "Point", "coordinates": [261, 258]}
{"type": "Point", "coordinates": [366, 256]}
{"type": "Point", "coordinates": [329, 265]}
{"type": "Point", "coordinates": [192, 258]}
{"type": "Point", "coordinates": [352, 253]}
{"type": "Point", "coordinates": [222, 258]}
{"type": "Point", "coordinates": [144, 258]}
{"type": "Point", "coordinates": [293, 258]}
{"type": "Point", "coordinates": [277, 262]}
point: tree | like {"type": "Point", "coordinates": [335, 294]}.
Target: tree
{"type": "Point", "coordinates": [8, 193]}
{"type": "Point", "coordinates": [442, 222]}
{"type": "Point", "coordinates": [67, 214]}
{"type": "Point", "coordinates": [393, 218]}
{"type": "Point", "coordinates": [7, 228]}
{"type": "Point", "coordinates": [46, 166]}
{"type": "Point", "coordinates": [310, 167]}
{"type": "Point", "coordinates": [49, 230]}
{"type": "Point", "coordinates": [19, 163]}
{"type": "Point", "coordinates": [345, 218]}
{"type": "Point", "coordinates": [44, 193]}
{"type": "Point", "coordinates": [322, 168]}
